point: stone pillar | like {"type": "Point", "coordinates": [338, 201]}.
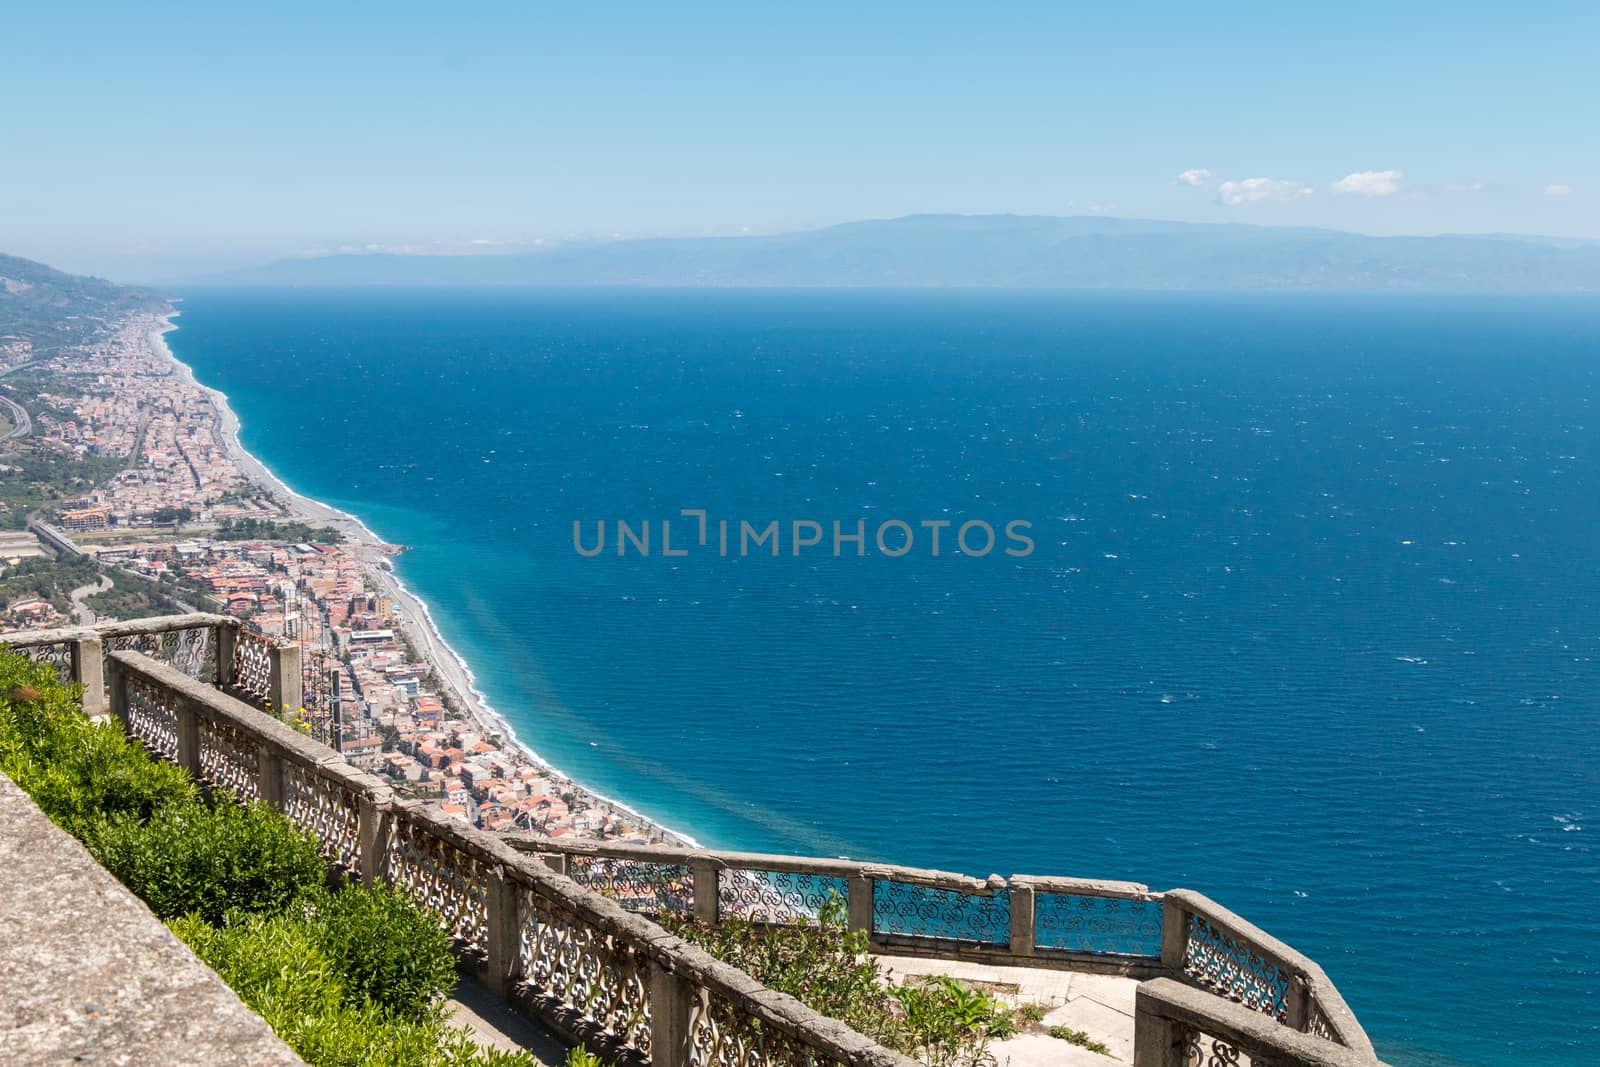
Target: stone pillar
{"type": "Point", "coordinates": [504, 946]}
{"type": "Point", "coordinates": [88, 670]}
{"type": "Point", "coordinates": [269, 772]}
{"type": "Point", "coordinates": [227, 648]}
{"type": "Point", "coordinates": [707, 886]}
{"type": "Point", "coordinates": [669, 1017]}
{"type": "Point", "coordinates": [284, 693]}
{"type": "Point", "coordinates": [1174, 937]}
{"type": "Point", "coordinates": [1022, 930]}
{"type": "Point", "coordinates": [860, 903]}
{"type": "Point", "coordinates": [372, 834]}
{"type": "Point", "coordinates": [1298, 1002]}
{"type": "Point", "coordinates": [188, 756]}
{"type": "Point", "coordinates": [119, 695]}
{"type": "Point", "coordinates": [1157, 1041]}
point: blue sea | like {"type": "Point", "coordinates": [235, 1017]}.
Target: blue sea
{"type": "Point", "coordinates": [1311, 622]}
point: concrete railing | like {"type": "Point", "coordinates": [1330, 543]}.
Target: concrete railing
{"type": "Point", "coordinates": [1177, 1025]}
{"type": "Point", "coordinates": [176, 709]}
{"type": "Point", "coordinates": [1029, 921]}
{"type": "Point", "coordinates": [218, 649]}
{"type": "Point", "coordinates": [577, 961]}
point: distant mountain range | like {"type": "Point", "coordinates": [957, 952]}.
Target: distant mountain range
{"type": "Point", "coordinates": [997, 251]}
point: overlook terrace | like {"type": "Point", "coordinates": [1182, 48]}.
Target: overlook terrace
{"type": "Point", "coordinates": [562, 930]}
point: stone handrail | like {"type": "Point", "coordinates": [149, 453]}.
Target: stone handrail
{"type": "Point", "coordinates": [262, 670]}
{"type": "Point", "coordinates": [1028, 920]}
{"type": "Point", "coordinates": [1119, 927]}
{"type": "Point", "coordinates": [1177, 1025]}
{"type": "Point", "coordinates": [580, 962]}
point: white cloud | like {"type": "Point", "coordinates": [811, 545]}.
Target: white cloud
{"type": "Point", "coordinates": [1558, 190]}
{"type": "Point", "coordinates": [1254, 190]}
{"type": "Point", "coordinates": [1196, 176]}
{"type": "Point", "coordinates": [1370, 183]}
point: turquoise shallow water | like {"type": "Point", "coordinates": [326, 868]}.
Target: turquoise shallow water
{"type": "Point", "coordinates": [1310, 624]}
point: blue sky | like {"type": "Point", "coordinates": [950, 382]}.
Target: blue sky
{"type": "Point", "coordinates": [148, 140]}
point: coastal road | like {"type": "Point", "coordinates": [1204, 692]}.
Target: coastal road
{"type": "Point", "coordinates": [21, 424]}
{"type": "Point", "coordinates": [83, 611]}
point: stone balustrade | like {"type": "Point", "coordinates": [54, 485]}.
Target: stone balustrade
{"type": "Point", "coordinates": [580, 953]}
{"type": "Point", "coordinates": [1178, 1025]}
{"type": "Point", "coordinates": [261, 670]}
{"type": "Point", "coordinates": [577, 961]}
{"type": "Point", "coordinates": [1028, 921]}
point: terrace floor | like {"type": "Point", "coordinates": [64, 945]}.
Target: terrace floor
{"type": "Point", "coordinates": [1100, 1005]}
{"type": "Point", "coordinates": [495, 1024]}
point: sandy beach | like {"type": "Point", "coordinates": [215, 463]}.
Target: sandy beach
{"type": "Point", "coordinates": [412, 615]}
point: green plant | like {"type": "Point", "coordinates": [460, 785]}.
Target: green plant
{"type": "Point", "coordinates": [582, 1057]}
{"type": "Point", "coordinates": [77, 771]}
{"type": "Point", "coordinates": [388, 950]}
{"type": "Point", "coordinates": [951, 1024]}
{"type": "Point", "coordinates": [348, 979]}
{"type": "Point", "coordinates": [276, 966]}
{"type": "Point", "coordinates": [210, 859]}
{"type": "Point", "coordinates": [1079, 1038]}
{"type": "Point", "coordinates": [1029, 1013]}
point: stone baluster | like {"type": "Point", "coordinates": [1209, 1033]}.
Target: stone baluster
{"type": "Point", "coordinates": [1022, 924]}
{"type": "Point", "coordinates": [671, 996]}
{"type": "Point", "coordinates": [859, 903]}
{"type": "Point", "coordinates": [504, 933]}
{"type": "Point", "coordinates": [88, 670]}
{"type": "Point", "coordinates": [284, 688]}
{"type": "Point", "coordinates": [707, 890]}
{"type": "Point", "coordinates": [188, 736]}
{"type": "Point", "coordinates": [227, 649]}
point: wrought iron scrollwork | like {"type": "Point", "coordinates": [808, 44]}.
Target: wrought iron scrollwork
{"type": "Point", "coordinates": [944, 914]}
{"type": "Point", "coordinates": [1232, 968]}
{"type": "Point", "coordinates": [639, 885]}
{"type": "Point", "coordinates": [1112, 926]}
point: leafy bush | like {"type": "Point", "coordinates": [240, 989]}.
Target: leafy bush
{"type": "Point", "coordinates": [582, 1057]}
{"type": "Point", "coordinates": [948, 1023]}
{"type": "Point", "coordinates": [275, 964]}
{"type": "Point", "coordinates": [210, 860]}
{"type": "Point", "coordinates": [348, 979]}
{"type": "Point", "coordinates": [388, 950]}
{"type": "Point", "coordinates": [75, 770]}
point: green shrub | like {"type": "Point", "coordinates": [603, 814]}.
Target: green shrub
{"type": "Point", "coordinates": [75, 770]}
{"type": "Point", "coordinates": [276, 966]}
{"type": "Point", "coordinates": [210, 860]}
{"type": "Point", "coordinates": [582, 1057]}
{"type": "Point", "coordinates": [949, 1024]}
{"type": "Point", "coordinates": [388, 950]}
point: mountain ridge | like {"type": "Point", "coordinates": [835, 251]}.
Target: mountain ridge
{"type": "Point", "coordinates": [994, 251]}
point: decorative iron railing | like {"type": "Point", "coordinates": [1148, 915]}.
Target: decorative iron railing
{"type": "Point", "coordinates": [1077, 924]}
{"type": "Point", "coordinates": [219, 649]}
{"type": "Point", "coordinates": [579, 961]}
{"type": "Point", "coordinates": [577, 956]}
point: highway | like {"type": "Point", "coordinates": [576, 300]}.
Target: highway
{"type": "Point", "coordinates": [21, 424]}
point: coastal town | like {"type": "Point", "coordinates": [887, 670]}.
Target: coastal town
{"type": "Point", "coordinates": [173, 505]}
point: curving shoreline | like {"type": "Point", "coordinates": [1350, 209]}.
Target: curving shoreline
{"type": "Point", "coordinates": [414, 618]}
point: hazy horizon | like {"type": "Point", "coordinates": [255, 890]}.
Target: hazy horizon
{"type": "Point", "coordinates": [199, 139]}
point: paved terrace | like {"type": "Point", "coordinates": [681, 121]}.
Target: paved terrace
{"type": "Point", "coordinates": [559, 932]}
